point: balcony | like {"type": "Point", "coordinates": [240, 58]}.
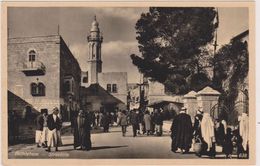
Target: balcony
{"type": "Point", "coordinates": [33, 68]}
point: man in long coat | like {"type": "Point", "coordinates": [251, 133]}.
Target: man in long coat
{"type": "Point", "coordinates": [82, 131]}
{"type": "Point", "coordinates": [54, 123]}
{"type": "Point", "coordinates": [181, 132]}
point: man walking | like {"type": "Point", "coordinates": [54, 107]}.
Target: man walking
{"type": "Point", "coordinates": [181, 132]}
{"type": "Point", "coordinates": [54, 124]}
{"type": "Point", "coordinates": [45, 128]}
{"type": "Point", "coordinates": [39, 128]}
{"type": "Point", "coordinates": [134, 121]}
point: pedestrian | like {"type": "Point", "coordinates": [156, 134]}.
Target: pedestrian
{"type": "Point", "coordinates": [244, 132]}
{"type": "Point", "coordinates": [208, 135]}
{"type": "Point", "coordinates": [54, 124]}
{"type": "Point", "coordinates": [87, 145]}
{"type": "Point", "coordinates": [197, 123]}
{"type": "Point", "coordinates": [134, 121]}
{"type": "Point", "coordinates": [181, 132]}
{"type": "Point", "coordinates": [106, 121]}
{"type": "Point", "coordinates": [78, 130]}
{"type": "Point", "coordinates": [39, 129]}
{"type": "Point", "coordinates": [147, 122]}
{"type": "Point", "coordinates": [158, 120]}
{"type": "Point", "coordinates": [228, 144]}
{"type": "Point", "coordinates": [45, 128]}
{"type": "Point", "coordinates": [123, 122]}
{"type": "Point", "coordinates": [220, 132]}
{"type": "Point", "coordinates": [59, 141]}
{"type": "Point", "coordinates": [152, 123]}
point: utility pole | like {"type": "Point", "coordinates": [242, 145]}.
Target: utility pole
{"type": "Point", "coordinates": [216, 41]}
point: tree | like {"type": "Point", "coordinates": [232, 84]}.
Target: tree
{"type": "Point", "coordinates": [172, 42]}
{"type": "Point", "coordinates": [231, 70]}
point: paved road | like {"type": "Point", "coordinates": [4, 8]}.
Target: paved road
{"type": "Point", "coordinates": [107, 146]}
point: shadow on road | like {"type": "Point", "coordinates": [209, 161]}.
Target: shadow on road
{"type": "Point", "coordinates": [107, 147]}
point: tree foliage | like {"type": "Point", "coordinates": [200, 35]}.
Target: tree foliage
{"type": "Point", "coordinates": [172, 42]}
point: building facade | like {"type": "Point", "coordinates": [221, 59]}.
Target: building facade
{"type": "Point", "coordinates": [43, 72]}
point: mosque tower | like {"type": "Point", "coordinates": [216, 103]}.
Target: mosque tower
{"type": "Point", "coordinates": [94, 55]}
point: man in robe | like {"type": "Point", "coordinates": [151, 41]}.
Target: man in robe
{"type": "Point", "coordinates": [54, 123]}
{"type": "Point", "coordinates": [197, 123]}
{"type": "Point", "coordinates": [181, 132]}
{"type": "Point", "coordinates": [39, 129]}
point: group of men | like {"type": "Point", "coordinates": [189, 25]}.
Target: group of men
{"type": "Point", "coordinates": [48, 129]}
{"type": "Point", "coordinates": [206, 130]}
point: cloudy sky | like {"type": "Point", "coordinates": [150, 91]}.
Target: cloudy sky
{"type": "Point", "coordinates": [116, 24]}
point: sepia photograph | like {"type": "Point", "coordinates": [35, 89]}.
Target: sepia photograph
{"type": "Point", "coordinates": [165, 82]}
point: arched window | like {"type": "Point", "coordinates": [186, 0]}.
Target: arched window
{"type": "Point", "coordinates": [41, 89]}
{"type": "Point", "coordinates": [114, 88]}
{"type": "Point", "coordinates": [34, 90]}
{"type": "Point", "coordinates": [32, 55]}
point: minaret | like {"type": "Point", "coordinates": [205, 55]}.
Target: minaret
{"type": "Point", "coordinates": [94, 56]}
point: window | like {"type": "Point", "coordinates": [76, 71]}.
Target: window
{"type": "Point", "coordinates": [34, 89]}
{"type": "Point", "coordinates": [32, 54]}
{"type": "Point", "coordinates": [67, 86]}
{"type": "Point", "coordinates": [109, 87]}
{"type": "Point", "coordinates": [41, 89]}
{"type": "Point", "coordinates": [114, 88]}
{"type": "Point", "coordinates": [85, 79]}
{"type": "Point", "coordinates": [37, 89]}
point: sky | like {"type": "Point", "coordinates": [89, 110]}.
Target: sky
{"type": "Point", "coordinates": [116, 24]}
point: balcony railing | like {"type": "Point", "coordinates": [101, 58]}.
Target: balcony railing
{"type": "Point", "coordinates": [33, 68]}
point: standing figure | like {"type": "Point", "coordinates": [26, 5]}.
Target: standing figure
{"type": "Point", "coordinates": [134, 121]}
{"type": "Point", "coordinates": [79, 130]}
{"type": "Point", "coordinates": [106, 121]}
{"type": "Point", "coordinates": [197, 123]}
{"type": "Point", "coordinates": [228, 144]}
{"type": "Point", "coordinates": [158, 120]}
{"type": "Point", "coordinates": [244, 132]}
{"type": "Point", "coordinates": [147, 122]}
{"type": "Point", "coordinates": [39, 128]}
{"type": "Point", "coordinates": [87, 132]}
{"type": "Point", "coordinates": [220, 132]}
{"type": "Point", "coordinates": [45, 128]}
{"type": "Point", "coordinates": [123, 122]}
{"type": "Point", "coordinates": [208, 134]}
{"type": "Point", "coordinates": [54, 124]}
{"type": "Point", "coordinates": [181, 132]}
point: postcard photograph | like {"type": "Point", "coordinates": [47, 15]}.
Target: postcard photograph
{"type": "Point", "coordinates": [128, 83]}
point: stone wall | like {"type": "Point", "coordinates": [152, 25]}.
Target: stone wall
{"type": "Point", "coordinates": [47, 50]}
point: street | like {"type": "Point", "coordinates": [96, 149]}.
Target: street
{"type": "Point", "coordinates": [107, 146]}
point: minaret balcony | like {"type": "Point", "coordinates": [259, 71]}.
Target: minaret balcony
{"type": "Point", "coordinates": [96, 38]}
{"type": "Point", "coordinates": [33, 68]}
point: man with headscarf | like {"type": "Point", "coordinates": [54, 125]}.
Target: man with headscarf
{"type": "Point", "coordinates": [45, 128]}
{"type": "Point", "coordinates": [78, 130]}
{"type": "Point", "coordinates": [39, 129]}
{"type": "Point", "coordinates": [54, 123]}
{"type": "Point", "coordinates": [181, 132]}
{"type": "Point", "coordinates": [208, 134]}
{"type": "Point", "coordinates": [244, 131]}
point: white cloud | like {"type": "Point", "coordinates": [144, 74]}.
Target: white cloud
{"type": "Point", "coordinates": [125, 13]}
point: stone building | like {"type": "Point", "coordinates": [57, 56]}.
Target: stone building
{"type": "Point", "coordinates": [43, 72]}
{"type": "Point", "coordinates": [115, 83]}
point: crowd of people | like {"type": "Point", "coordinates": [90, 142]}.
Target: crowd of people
{"type": "Point", "coordinates": [205, 130]}
{"type": "Point", "coordinates": [208, 133]}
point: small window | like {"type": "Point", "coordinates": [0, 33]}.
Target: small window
{"type": "Point", "coordinates": [109, 87]}
{"type": "Point", "coordinates": [114, 88]}
{"type": "Point", "coordinates": [34, 89]}
{"type": "Point", "coordinates": [41, 89]}
{"type": "Point", "coordinates": [67, 86]}
{"type": "Point", "coordinates": [85, 79]}
{"type": "Point", "coordinates": [32, 54]}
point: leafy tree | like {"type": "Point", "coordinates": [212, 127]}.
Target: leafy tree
{"type": "Point", "coordinates": [172, 43]}
{"type": "Point", "coordinates": [231, 70]}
